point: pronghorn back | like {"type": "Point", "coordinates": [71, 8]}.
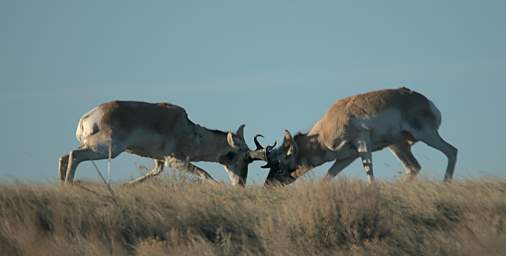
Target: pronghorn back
{"type": "Point", "coordinates": [117, 120]}
{"type": "Point", "coordinates": [392, 109]}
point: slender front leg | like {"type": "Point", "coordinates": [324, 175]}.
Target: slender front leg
{"type": "Point", "coordinates": [157, 169]}
{"type": "Point", "coordinates": [181, 165]}
{"type": "Point", "coordinates": [299, 172]}
{"type": "Point", "coordinates": [337, 167]}
{"type": "Point", "coordinates": [364, 149]}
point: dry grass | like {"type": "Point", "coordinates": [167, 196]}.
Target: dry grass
{"type": "Point", "coordinates": [174, 217]}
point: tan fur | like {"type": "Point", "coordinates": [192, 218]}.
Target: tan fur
{"type": "Point", "coordinates": [337, 122]}
{"type": "Point", "coordinates": [356, 126]}
{"type": "Point", "coordinates": [161, 131]}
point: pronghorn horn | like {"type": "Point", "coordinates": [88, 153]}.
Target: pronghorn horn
{"type": "Point", "coordinates": [269, 148]}
{"type": "Point", "coordinates": [259, 146]}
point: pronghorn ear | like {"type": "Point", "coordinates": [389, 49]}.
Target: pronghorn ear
{"type": "Point", "coordinates": [240, 131]}
{"type": "Point", "coordinates": [230, 140]}
{"type": "Point", "coordinates": [289, 145]}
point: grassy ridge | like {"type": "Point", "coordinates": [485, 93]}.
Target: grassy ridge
{"type": "Point", "coordinates": [169, 217]}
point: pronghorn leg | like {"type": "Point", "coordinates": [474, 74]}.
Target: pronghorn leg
{"type": "Point", "coordinates": [364, 149]}
{"type": "Point", "coordinates": [62, 167]}
{"type": "Point", "coordinates": [337, 167]}
{"type": "Point", "coordinates": [81, 155]}
{"type": "Point", "coordinates": [432, 138]}
{"type": "Point", "coordinates": [152, 173]}
{"type": "Point", "coordinates": [403, 152]}
{"type": "Point", "coordinates": [182, 165]}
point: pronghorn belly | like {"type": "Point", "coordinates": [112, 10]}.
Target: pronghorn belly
{"type": "Point", "coordinates": [383, 129]}
{"type": "Point", "coordinates": [144, 152]}
{"type": "Point", "coordinates": [149, 144]}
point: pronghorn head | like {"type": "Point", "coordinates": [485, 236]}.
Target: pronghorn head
{"type": "Point", "coordinates": [282, 161]}
{"type": "Point", "coordinates": [238, 156]}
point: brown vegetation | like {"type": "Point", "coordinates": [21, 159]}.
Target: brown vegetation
{"type": "Point", "coordinates": [177, 217]}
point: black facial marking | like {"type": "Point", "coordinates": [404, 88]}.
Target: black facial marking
{"type": "Point", "coordinates": [230, 156]}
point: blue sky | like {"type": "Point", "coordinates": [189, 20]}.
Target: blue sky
{"type": "Point", "coordinates": [272, 65]}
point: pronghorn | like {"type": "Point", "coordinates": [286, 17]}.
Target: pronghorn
{"type": "Point", "coordinates": [355, 127]}
{"type": "Point", "coordinates": [160, 131]}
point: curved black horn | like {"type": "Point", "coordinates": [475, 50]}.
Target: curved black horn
{"type": "Point", "coordinates": [269, 148]}
{"type": "Point", "coordinates": [259, 146]}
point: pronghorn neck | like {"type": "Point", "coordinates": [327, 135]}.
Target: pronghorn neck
{"type": "Point", "coordinates": [311, 152]}
{"type": "Point", "coordinates": [208, 145]}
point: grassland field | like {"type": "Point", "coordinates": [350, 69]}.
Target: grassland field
{"type": "Point", "coordinates": [178, 216]}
